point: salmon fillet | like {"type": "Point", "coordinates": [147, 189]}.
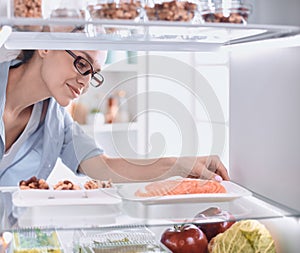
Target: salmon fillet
{"type": "Point", "coordinates": [178, 187]}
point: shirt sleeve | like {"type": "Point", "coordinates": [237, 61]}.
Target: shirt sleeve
{"type": "Point", "coordinates": [78, 146]}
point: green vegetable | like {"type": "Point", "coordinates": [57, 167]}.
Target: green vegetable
{"type": "Point", "coordinates": [249, 236]}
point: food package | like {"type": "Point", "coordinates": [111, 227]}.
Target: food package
{"type": "Point", "coordinates": [244, 236]}
{"type": "Point", "coordinates": [36, 241]}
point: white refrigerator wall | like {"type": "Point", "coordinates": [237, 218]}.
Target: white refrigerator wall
{"type": "Point", "coordinates": [265, 122]}
{"type": "Point", "coordinates": [187, 107]}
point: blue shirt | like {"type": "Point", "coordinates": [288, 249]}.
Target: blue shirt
{"type": "Point", "coordinates": [56, 136]}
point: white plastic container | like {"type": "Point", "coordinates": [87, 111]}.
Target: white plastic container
{"type": "Point", "coordinates": [96, 208]}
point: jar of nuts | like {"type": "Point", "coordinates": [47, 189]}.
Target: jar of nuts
{"type": "Point", "coordinates": [229, 11]}
{"type": "Point", "coordinates": [174, 10]}
{"type": "Point", "coordinates": [118, 9]}
{"type": "Point", "coordinates": [27, 8]}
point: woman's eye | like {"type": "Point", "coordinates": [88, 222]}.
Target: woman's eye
{"type": "Point", "coordinates": [82, 65]}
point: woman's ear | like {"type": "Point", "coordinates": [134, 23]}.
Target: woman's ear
{"type": "Point", "coordinates": [43, 53]}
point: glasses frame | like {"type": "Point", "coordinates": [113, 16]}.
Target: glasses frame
{"type": "Point", "coordinates": [96, 76]}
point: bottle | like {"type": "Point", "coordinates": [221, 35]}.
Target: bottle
{"type": "Point", "coordinates": [123, 112]}
{"type": "Point", "coordinates": [112, 109]}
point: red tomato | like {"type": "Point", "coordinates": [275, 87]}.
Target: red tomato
{"type": "Point", "coordinates": [214, 228]}
{"type": "Point", "coordinates": [187, 238]}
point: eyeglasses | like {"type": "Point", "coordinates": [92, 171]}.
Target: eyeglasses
{"type": "Point", "coordinates": [84, 67]}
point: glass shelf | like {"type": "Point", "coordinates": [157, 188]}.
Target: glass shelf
{"type": "Point", "coordinates": [118, 212]}
{"type": "Point", "coordinates": [71, 221]}
{"type": "Point", "coordinates": [138, 36]}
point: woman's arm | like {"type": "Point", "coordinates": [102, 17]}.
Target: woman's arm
{"type": "Point", "coordinates": [125, 170]}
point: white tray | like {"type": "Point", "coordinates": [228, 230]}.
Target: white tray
{"type": "Point", "coordinates": [127, 192]}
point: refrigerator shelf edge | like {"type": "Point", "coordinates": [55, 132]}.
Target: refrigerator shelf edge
{"type": "Point", "coordinates": [5, 32]}
{"type": "Point", "coordinates": [152, 36]}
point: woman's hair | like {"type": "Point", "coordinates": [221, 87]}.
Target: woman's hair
{"type": "Point", "coordinates": [25, 55]}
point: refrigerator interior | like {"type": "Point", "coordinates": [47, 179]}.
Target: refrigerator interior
{"type": "Point", "coordinates": [265, 122]}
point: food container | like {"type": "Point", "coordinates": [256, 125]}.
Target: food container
{"type": "Point", "coordinates": [26, 8]}
{"type": "Point", "coordinates": [36, 241]}
{"type": "Point", "coordinates": [126, 10]}
{"type": "Point", "coordinates": [64, 9]}
{"type": "Point", "coordinates": [225, 12]}
{"type": "Point", "coordinates": [171, 10]}
{"type": "Point", "coordinates": [129, 239]}
{"type": "Point", "coordinates": [123, 9]}
{"type": "Point", "coordinates": [66, 201]}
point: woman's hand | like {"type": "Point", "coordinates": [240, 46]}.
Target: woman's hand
{"type": "Point", "coordinates": [206, 167]}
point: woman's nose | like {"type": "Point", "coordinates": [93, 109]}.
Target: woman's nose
{"type": "Point", "coordinates": [83, 80]}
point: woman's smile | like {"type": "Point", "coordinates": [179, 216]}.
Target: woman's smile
{"type": "Point", "coordinates": [74, 90]}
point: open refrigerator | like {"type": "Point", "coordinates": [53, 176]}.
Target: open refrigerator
{"type": "Point", "coordinates": [263, 138]}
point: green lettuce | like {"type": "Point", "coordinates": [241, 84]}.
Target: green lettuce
{"type": "Point", "coordinates": [247, 236]}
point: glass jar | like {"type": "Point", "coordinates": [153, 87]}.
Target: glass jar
{"type": "Point", "coordinates": [65, 13]}
{"type": "Point", "coordinates": [27, 8]}
{"type": "Point", "coordinates": [118, 9]}
{"type": "Point", "coordinates": [64, 9]}
{"type": "Point", "coordinates": [225, 11]}
{"type": "Point", "coordinates": [173, 10]}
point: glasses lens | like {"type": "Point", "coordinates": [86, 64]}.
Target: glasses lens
{"type": "Point", "coordinates": [97, 80]}
{"type": "Point", "coordinates": [83, 66]}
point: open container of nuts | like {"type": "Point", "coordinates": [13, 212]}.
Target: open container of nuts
{"type": "Point", "coordinates": [88, 201]}
{"type": "Point", "coordinates": [25, 9]}
{"type": "Point", "coordinates": [116, 9]}
{"type": "Point", "coordinates": [172, 10]}
{"type": "Point", "coordinates": [225, 11]}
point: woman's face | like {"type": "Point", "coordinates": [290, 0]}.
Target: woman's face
{"type": "Point", "coordinates": [62, 79]}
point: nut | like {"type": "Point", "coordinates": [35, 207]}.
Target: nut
{"type": "Point", "coordinates": [96, 184]}
{"type": "Point", "coordinates": [66, 185]}
{"type": "Point", "coordinates": [124, 10]}
{"type": "Point", "coordinates": [28, 8]}
{"type": "Point", "coordinates": [33, 183]}
{"type": "Point", "coordinates": [172, 11]}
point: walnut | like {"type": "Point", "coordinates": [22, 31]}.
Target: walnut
{"type": "Point", "coordinates": [28, 8]}
{"type": "Point", "coordinates": [66, 185]}
{"type": "Point", "coordinates": [33, 183]}
{"type": "Point", "coordinates": [96, 184]}
{"type": "Point", "coordinates": [124, 10]}
{"type": "Point", "coordinates": [172, 11]}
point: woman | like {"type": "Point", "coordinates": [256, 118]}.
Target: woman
{"type": "Point", "coordinates": [36, 128]}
